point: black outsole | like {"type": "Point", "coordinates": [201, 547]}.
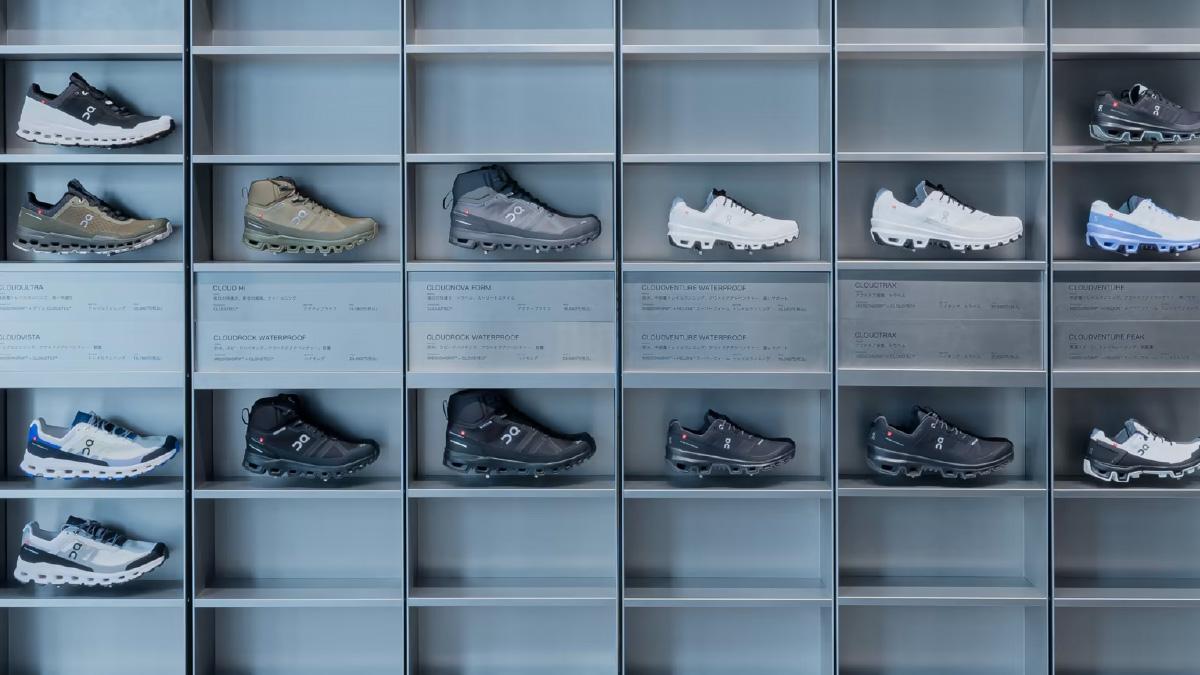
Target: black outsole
{"type": "Point", "coordinates": [308, 248]}
{"type": "Point", "coordinates": [134, 144]}
{"type": "Point", "coordinates": [286, 468]}
{"type": "Point", "coordinates": [942, 243]}
{"type": "Point", "coordinates": [481, 242]}
{"type": "Point", "coordinates": [469, 463]}
{"type": "Point", "coordinates": [698, 246]}
{"type": "Point", "coordinates": [915, 468]}
{"type": "Point", "coordinates": [683, 464]}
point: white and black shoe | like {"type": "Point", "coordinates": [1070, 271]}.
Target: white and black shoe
{"type": "Point", "coordinates": [1135, 451]}
{"type": "Point", "coordinates": [934, 216]}
{"type": "Point", "coordinates": [725, 219]}
{"type": "Point", "coordinates": [92, 447]}
{"type": "Point", "coordinates": [84, 115]}
{"type": "Point", "coordinates": [933, 446]}
{"type": "Point", "coordinates": [84, 553]}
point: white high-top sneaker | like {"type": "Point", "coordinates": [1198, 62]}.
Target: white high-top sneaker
{"type": "Point", "coordinates": [935, 216]}
{"type": "Point", "coordinates": [84, 553]}
{"type": "Point", "coordinates": [1137, 451]}
{"type": "Point", "coordinates": [725, 219]}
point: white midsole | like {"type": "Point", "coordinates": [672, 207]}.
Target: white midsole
{"type": "Point", "coordinates": [692, 232]}
{"type": "Point", "coordinates": [1115, 477]}
{"type": "Point", "coordinates": [886, 228]}
{"type": "Point", "coordinates": [49, 573]}
{"type": "Point", "coordinates": [41, 122]}
{"type": "Point", "coordinates": [54, 467]}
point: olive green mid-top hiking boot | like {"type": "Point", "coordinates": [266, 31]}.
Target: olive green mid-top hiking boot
{"type": "Point", "coordinates": [280, 219]}
{"type": "Point", "coordinates": [81, 222]}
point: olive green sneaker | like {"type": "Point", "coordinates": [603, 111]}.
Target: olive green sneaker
{"type": "Point", "coordinates": [81, 222]}
{"type": "Point", "coordinates": [280, 219]}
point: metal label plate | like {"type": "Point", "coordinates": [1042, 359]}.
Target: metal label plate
{"type": "Point", "coordinates": [298, 321]}
{"type": "Point", "coordinates": [91, 322]}
{"type": "Point", "coordinates": [736, 321]}
{"type": "Point", "coordinates": [480, 321]}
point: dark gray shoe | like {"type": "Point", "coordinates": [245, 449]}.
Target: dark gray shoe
{"type": "Point", "coordinates": [491, 210]}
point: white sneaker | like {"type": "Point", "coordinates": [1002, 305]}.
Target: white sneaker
{"type": "Point", "coordinates": [724, 219]}
{"type": "Point", "coordinates": [935, 216]}
{"type": "Point", "coordinates": [1137, 451]}
{"type": "Point", "coordinates": [1138, 224]}
{"type": "Point", "coordinates": [84, 553]}
{"type": "Point", "coordinates": [92, 447]}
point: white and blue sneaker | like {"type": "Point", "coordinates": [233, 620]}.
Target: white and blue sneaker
{"type": "Point", "coordinates": [84, 553]}
{"type": "Point", "coordinates": [92, 447]}
{"type": "Point", "coordinates": [1138, 224]}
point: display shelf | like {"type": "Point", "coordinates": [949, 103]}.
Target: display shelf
{"type": "Point", "coordinates": [1170, 264]}
{"type": "Point", "coordinates": [717, 592]}
{"type": "Point", "coordinates": [526, 23]}
{"type": "Point", "coordinates": [564, 380]}
{"type": "Point", "coordinates": [267, 488]}
{"type": "Point", "coordinates": [292, 267]}
{"type": "Point", "coordinates": [111, 52]}
{"type": "Point", "coordinates": [498, 265]}
{"type": "Point", "coordinates": [1125, 379]}
{"type": "Point", "coordinates": [143, 593]}
{"type": "Point", "coordinates": [568, 486]}
{"type": "Point", "coordinates": [90, 380]}
{"type": "Point", "coordinates": [143, 487]}
{"type": "Point", "coordinates": [1084, 640]}
{"type": "Point", "coordinates": [982, 487]}
{"type": "Point", "coordinates": [943, 22]}
{"type": "Point", "coordinates": [307, 23]}
{"type": "Point", "coordinates": [929, 377]}
{"type": "Point", "coordinates": [276, 158]}
{"type": "Point", "coordinates": [1104, 25]}
{"type": "Point", "coordinates": [12, 157]}
{"type": "Point", "coordinates": [556, 592]}
{"type": "Point", "coordinates": [725, 50]}
{"type": "Point", "coordinates": [107, 639]}
{"type": "Point", "coordinates": [938, 592]}
{"type": "Point", "coordinates": [961, 265]}
{"type": "Point", "coordinates": [733, 266]}
{"type": "Point", "coordinates": [1132, 541]}
{"type": "Point", "coordinates": [298, 380]}
{"type": "Point", "coordinates": [727, 158]}
{"type": "Point", "coordinates": [767, 486]}
{"type": "Point", "coordinates": [1096, 153]}
{"type": "Point", "coordinates": [954, 50]}
{"type": "Point", "coordinates": [302, 593]}
{"type": "Point", "coordinates": [1090, 488]}
{"type": "Point", "coordinates": [563, 49]}
{"type": "Point", "coordinates": [646, 379]}
{"type": "Point", "coordinates": [508, 157]}
{"type": "Point", "coordinates": [1109, 592]}
{"type": "Point", "coordinates": [296, 50]}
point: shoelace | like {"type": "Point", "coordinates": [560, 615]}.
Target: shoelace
{"type": "Point", "coordinates": [108, 101]}
{"type": "Point", "coordinates": [946, 196]}
{"type": "Point", "coordinates": [107, 426]}
{"type": "Point", "coordinates": [735, 203]}
{"type": "Point", "coordinates": [1160, 210]}
{"type": "Point", "coordinates": [101, 533]}
{"type": "Point", "coordinates": [313, 205]}
{"type": "Point", "coordinates": [514, 189]}
{"type": "Point", "coordinates": [938, 421]}
{"type": "Point", "coordinates": [105, 207]}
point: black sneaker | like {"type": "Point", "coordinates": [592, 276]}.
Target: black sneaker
{"type": "Point", "coordinates": [486, 435]}
{"type": "Point", "coordinates": [723, 444]}
{"type": "Point", "coordinates": [933, 446]}
{"type": "Point", "coordinates": [1142, 115]}
{"type": "Point", "coordinates": [491, 210]}
{"type": "Point", "coordinates": [84, 115]}
{"type": "Point", "coordinates": [281, 442]}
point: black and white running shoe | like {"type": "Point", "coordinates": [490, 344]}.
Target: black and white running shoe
{"type": "Point", "coordinates": [84, 553]}
{"type": "Point", "coordinates": [84, 115]}
{"type": "Point", "coordinates": [933, 446]}
{"type": "Point", "coordinates": [1142, 115]}
{"type": "Point", "coordinates": [724, 445]}
{"type": "Point", "coordinates": [486, 435]}
{"type": "Point", "coordinates": [281, 441]}
{"type": "Point", "coordinates": [1135, 451]}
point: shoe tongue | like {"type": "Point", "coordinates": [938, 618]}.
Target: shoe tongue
{"type": "Point", "coordinates": [713, 195]}
{"type": "Point", "coordinates": [78, 81]}
{"type": "Point", "coordinates": [924, 189]}
{"type": "Point", "coordinates": [1138, 92]}
{"type": "Point", "coordinates": [82, 417]}
{"type": "Point", "coordinates": [74, 521]}
{"type": "Point", "coordinates": [76, 188]}
{"type": "Point", "coordinates": [1132, 204]}
{"type": "Point", "coordinates": [285, 185]}
{"type": "Point", "coordinates": [497, 178]}
{"type": "Point", "coordinates": [713, 415]}
{"type": "Point", "coordinates": [1134, 427]}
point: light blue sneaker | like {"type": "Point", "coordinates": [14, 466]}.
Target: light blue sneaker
{"type": "Point", "coordinates": [1138, 224]}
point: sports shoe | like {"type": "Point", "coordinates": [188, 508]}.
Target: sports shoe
{"type": "Point", "coordinates": [723, 444]}
{"type": "Point", "coordinates": [491, 210]}
{"type": "Point", "coordinates": [1136, 451]}
{"type": "Point", "coordinates": [485, 434]}
{"type": "Point", "coordinates": [933, 446]}
{"type": "Point", "coordinates": [84, 553]}
{"type": "Point", "coordinates": [84, 115]}
{"type": "Point", "coordinates": [280, 441]}
{"type": "Point", "coordinates": [1140, 224]}
{"type": "Point", "coordinates": [92, 447]}
{"type": "Point", "coordinates": [81, 222]}
{"type": "Point", "coordinates": [280, 219]}
{"type": "Point", "coordinates": [935, 216]}
{"type": "Point", "coordinates": [1141, 115]}
{"type": "Point", "coordinates": [725, 219]}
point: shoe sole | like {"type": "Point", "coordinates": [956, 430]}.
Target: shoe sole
{"type": "Point", "coordinates": [470, 463]}
{"type": "Point", "coordinates": [49, 574]}
{"type": "Point", "coordinates": [45, 242]}
{"type": "Point", "coordinates": [1127, 244]}
{"type": "Point", "coordinates": [286, 468]}
{"type": "Point", "coordinates": [50, 135]}
{"type": "Point", "coordinates": [281, 243]}
{"type": "Point", "coordinates": [1128, 137]}
{"type": "Point", "coordinates": [686, 462]}
{"type": "Point", "coordinates": [889, 463]}
{"type": "Point", "coordinates": [692, 238]}
{"type": "Point", "coordinates": [49, 467]}
{"type": "Point", "coordinates": [1111, 474]}
{"type": "Point", "coordinates": [899, 236]}
{"type": "Point", "coordinates": [465, 237]}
